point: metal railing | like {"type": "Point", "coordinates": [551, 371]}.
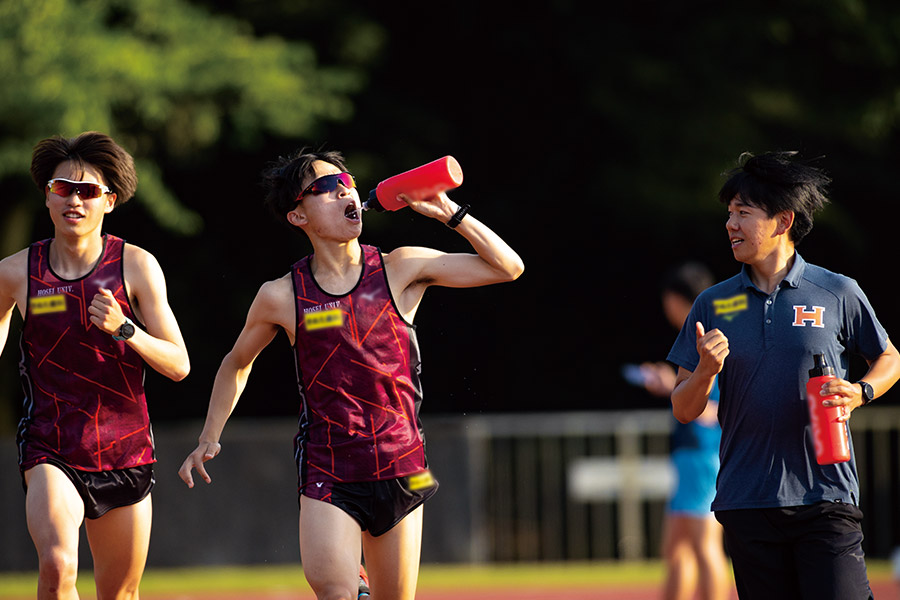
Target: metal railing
{"type": "Point", "coordinates": [514, 487]}
{"type": "Point", "coordinates": [594, 485]}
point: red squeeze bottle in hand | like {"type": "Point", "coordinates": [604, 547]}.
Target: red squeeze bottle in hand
{"type": "Point", "coordinates": [422, 182]}
{"type": "Point", "coordinates": [829, 435]}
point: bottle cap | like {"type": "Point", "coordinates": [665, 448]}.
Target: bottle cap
{"type": "Point", "coordinates": [373, 202]}
{"type": "Point", "coordinates": [820, 367]}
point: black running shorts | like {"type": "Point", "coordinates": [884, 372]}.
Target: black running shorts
{"type": "Point", "coordinates": [376, 505]}
{"type": "Point", "coordinates": [102, 491]}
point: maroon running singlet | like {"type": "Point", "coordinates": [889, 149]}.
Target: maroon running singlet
{"type": "Point", "coordinates": [84, 391]}
{"type": "Point", "coordinates": [358, 372]}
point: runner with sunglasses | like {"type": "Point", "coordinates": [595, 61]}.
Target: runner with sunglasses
{"type": "Point", "coordinates": [95, 314]}
{"type": "Point", "coordinates": [348, 310]}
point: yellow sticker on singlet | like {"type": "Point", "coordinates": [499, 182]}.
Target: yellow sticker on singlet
{"type": "Point", "coordinates": [420, 481]}
{"type": "Point", "coordinates": [47, 304]}
{"type": "Point", "coordinates": [323, 319]}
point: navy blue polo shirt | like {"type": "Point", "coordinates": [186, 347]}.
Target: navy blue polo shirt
{"type": "Point", "coordinates": [766, 454]}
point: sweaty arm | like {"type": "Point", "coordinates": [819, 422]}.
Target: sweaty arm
{"type": "Point", "coordinates": [412, 269]}
{"type": "Point", "coordinates": [271, 309]}
{"type": "Point", "coordinates": [161, 345]}
{"type": "Point", "coordinates": [692, 388]}
{"type": "Point", "coordinates": [6, 311]}
{"type": "Point", "coordinates": [13, 290]}
{"type": "Point", "coordinates": [13, 271]}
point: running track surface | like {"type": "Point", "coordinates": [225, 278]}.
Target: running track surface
{"type": "Point", "coordinates": [882, 590]}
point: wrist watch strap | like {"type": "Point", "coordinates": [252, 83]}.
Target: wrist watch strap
{"type": "Point", "coordinates": [458, 217]}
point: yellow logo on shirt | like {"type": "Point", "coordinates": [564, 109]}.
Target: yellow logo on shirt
{"type": "Point", "coordinates": [47, 304]}
{"type": "Point", "coordinates": [729, 307]}
{"type": "Point", "coordinates": [323, 319]}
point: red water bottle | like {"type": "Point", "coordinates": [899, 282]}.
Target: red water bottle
{"type": "Point", "coordinates": [829, 435]}
{"type": "Point", "coordinates": [422, 182]}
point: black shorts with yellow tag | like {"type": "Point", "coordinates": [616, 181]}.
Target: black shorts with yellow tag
{"type": "Point", "coordinates": [376, 505]}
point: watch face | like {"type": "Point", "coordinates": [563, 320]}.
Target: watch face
{"type": "Point", "coordinates": [867, 392]}
{"type": "Point", "coordinates": [126, 330]}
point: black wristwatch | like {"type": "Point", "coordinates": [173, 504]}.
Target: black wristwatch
{"type": "Point", "coordinates": [868, 394]}
{"type": "Point", "coordinates": [458, 217]}
{"type": "Point", "coordinates": [126, 330]}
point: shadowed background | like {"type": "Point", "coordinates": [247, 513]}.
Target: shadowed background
{"type": "Point", "coordinates": [592, 139]}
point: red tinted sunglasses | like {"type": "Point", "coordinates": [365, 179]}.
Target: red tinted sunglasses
{"type": "Point", "coordinates": [327, 184]}
{"type": "Point", "coordinates": [86, 190]}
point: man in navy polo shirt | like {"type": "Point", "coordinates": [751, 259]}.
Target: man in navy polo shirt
{"type": "Point", "coordinates": [792, 527]}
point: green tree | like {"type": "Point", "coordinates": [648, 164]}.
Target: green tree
{"type": "Point", "coordinates": [167, 79]}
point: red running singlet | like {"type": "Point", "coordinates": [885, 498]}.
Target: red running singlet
{"type": "Point", "coordinates": [84, 391]}
{"type": "Point", "coordinates": [358, 372]}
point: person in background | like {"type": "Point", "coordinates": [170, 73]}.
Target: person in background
{"type": "Point", "coordinates": [692, 538]}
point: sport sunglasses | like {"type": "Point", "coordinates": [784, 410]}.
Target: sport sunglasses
{"type": "Point", "coordinates": [327, 184]}
{"type": "Point", "coordinates": [86, 190]}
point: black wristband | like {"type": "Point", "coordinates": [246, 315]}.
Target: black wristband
{"type": "Point", "coordinates": [458, 217]}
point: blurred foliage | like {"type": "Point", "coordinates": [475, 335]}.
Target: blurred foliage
{"type": "Point", "coordinates": [594, 141]}
{"type": "Point", "coordinates": [171, 82]}
{"type": "Point", "coordinates": [163, 77]}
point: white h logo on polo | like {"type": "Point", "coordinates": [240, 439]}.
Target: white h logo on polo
{"type": "Point", "coordinates": [804, 316]}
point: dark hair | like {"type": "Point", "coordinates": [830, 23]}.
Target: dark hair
{"type": "Point", "coordinates": [90, 148]}
{"type": "Point", "coordinates": [687, 280]}
{"type": "Point", "coordinates": [283, 178]}
{"type": "Point", "coordinates": [775, 183]}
